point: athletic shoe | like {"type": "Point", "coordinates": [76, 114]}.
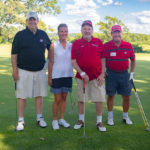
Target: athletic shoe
{"type": "Point", "coordinates": [101, 127]}
{"type": "Point", "coordinates": [41, 122]}
{"type": "Point", "coordinates": [20, 126]}
{"type": "Point", "coordinates": [110, 121]}
{"type": "Point", "coordinates": [127, 121]}
{"type": "Point", "coordinates": [55, 125]}
{"type": "Point", "coordinates": [79, 124]}
{"type": "Point", "coordinates": [64, 123]}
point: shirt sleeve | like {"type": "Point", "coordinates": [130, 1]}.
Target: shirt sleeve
{"type": "Point", "coordinates": [132, 54]}
{"type": "Point", "coordinates": [73, 56]}
{"type": "Point", "coordinates": [16, 44]}
{"type": "Point", "coordinates": [48, 42]}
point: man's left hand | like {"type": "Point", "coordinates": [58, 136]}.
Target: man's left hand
{"type": "Point", "coordinates": [131, 76]}
{"type": "Point", "coordinates": [100, 79]}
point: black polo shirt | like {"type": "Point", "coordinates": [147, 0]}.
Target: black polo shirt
{"type": "Point", "coordinates": [30, 49]}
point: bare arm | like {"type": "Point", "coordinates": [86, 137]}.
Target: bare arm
{"type": "Point", "coordinates": [133, 64]}
{"type": "Point", "coordinates": [50, 65]}
{"type": "Point", "coordinates": [78, 69]}
{"type": "Point", "coordinates": [14, 67]}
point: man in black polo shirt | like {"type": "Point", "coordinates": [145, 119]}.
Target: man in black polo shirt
{"type": "Point", "coordinates": [28, 59]}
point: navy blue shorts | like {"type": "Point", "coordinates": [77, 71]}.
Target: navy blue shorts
{"type": "Point", "coordinates": [118, 82]}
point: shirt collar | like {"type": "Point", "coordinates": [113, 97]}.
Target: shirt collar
{"type": "Point", "coordinates": [85, 41]}
{"type": "Point", "coordinates": [28, 30]}
{"type": "Point", "coordinates": [114, 43]}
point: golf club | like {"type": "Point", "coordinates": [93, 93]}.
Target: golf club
{"type": "Point", "coordinates": [15, 130]}
{"type": "Point", "coordinates": [140, 107]}
{"type": "Point", "coordinates": [84, 135]}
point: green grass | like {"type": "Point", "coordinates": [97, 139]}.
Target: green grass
{"type": "Point", "coordinates": [119, 137]}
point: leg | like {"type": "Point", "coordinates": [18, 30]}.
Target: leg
{"type": "Point", "coordinates": [21, 107]}
{"type": "Point", "coordinates": [126, 103]}
{"type": "Point", "coordinates": [39, 104]}
{"type": "Point", "coordinates": [99, 108]}
{"type": "Point", "coordinates": [63, 105]}
{"type": "Point", "coordinates": [55, 107]}
{"type": "Point", "coordinates": [110, 103]}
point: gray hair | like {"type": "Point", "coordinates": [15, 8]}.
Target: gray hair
{"type": "Point", "coordinates": [62, 25]}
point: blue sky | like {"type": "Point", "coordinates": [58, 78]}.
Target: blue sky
{"type": "Point", "coordinates": [134, 13]}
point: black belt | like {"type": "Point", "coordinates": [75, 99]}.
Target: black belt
{"type": "Point", "coordinates": [122, 71]}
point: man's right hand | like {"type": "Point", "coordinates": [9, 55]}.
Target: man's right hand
{"type": "Point", "coordinates": [15, 74]}
{"type": "Point", "coordinates": [85, 77]}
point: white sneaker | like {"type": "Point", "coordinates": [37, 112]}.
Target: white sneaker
{"type": "Point", "coordinates": [20, 126]}
{"type": "Point", "coordinates": [79, 124]}
{"type": "Point", "coordinates": [55, 125]}
{"type": "Point", "coordinates": [41, 122]}
{"type": "Point", "coordinates": [110, 121]}
{"type": "Point", "coordinates": [101, 127]}
{"type": "Point", "coordinates": [64, 123]}
{"type": "Point", "coordinates": [127, 121]}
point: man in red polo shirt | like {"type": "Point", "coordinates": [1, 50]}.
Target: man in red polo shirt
{"type": "Point", "coordinates": [118, 79]}
{"type": "Point", "coordinates": [88, 58]}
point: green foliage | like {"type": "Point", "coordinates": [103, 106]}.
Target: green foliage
{"type": "Point", "coordinates": [137, 48]}
{"type": "Point", "coordinates": [105, 27]}
{"type": "Point", "coordinates": [13, 12]}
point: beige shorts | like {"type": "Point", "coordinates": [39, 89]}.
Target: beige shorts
{"type": "Point", "coordinates": [93, 91]}
{"type": "Point", "coordinates": [31, 84]}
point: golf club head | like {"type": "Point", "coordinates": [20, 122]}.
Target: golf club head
{"type": "Point", "coordinates": [15, 130]}
{"type": "Point", "coordinates": [148, 129]}
{"type": "Point", "coordinates": [84, 136]}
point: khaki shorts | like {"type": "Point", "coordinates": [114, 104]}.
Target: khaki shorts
{"type": "Point", "coordinates": [31, 84]}
{"type": "Point", "coordinates": [93, 91]}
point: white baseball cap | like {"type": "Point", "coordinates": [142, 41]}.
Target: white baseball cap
{"type": "Point", "coordinates": [32, 15]}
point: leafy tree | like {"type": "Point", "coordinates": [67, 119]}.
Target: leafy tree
{"type": "Point", "coordinates": [13, 12]}
{"type": "Point", "coordinates": [105, 27]}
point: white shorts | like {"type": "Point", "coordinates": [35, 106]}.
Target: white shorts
{"type": "Point", "coordinates": [93, 91]}
{"type": "Point", "coordinates": [31, 84]}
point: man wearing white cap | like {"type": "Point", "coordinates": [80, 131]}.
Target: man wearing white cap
{"type": "Point", "coordinates": [28, 59]}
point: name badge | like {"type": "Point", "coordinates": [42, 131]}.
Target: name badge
{"type": "Point", "coordinates": [113, 54]}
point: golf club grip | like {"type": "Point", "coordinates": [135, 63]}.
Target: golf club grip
{"type": "Point", "coordinates": [83, 86]}
{"type": "Point", "coordinates": [132, 83]}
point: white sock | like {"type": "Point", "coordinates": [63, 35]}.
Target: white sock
{"type": "Point", "coordinates": [110, 114]}
{"type": "Point", "coordinates": [55, 121]}
{"type": "Point", "coordinates": [61, 120]}
{"type": "Point", "coordinates": [99, 119]}
{"type": "Point", "coordinates": [81, 117]}
{"type": "Point", "coordinates": [21, 119]}
{"type": "Point", "coordinates": [125, 115]}
{"type": "Point", "coordinates": [39, 116]}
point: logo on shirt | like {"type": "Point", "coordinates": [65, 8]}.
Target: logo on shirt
{"type": "Point", "coordinates": [95, 45]}
{"type": "Point", "coordinates": [125, 52]}
{"type": "Point", "coordinates": [41, 40]}
{"type": "Point", "coordinates": [82, 45]}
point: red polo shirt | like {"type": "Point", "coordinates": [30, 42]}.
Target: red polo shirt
{"type": "Point", "coordinates": [117, 58]}
{"type": "Point", "coordinates": [88, 56]}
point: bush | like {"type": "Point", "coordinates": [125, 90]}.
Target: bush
{"type": "Point", "coordinates": [137, 48]}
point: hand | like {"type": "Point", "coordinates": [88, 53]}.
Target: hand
{"type": "Point", "coordinates": [85, 77]}
{"type": "Point", "coordinates": [49, 81]}
{"type": "Point", "coordinates": [15, 74]}
{"type": "Point", "coordinates": [131, 76]}
{"type": "Point", "coordinates": [100, 79]}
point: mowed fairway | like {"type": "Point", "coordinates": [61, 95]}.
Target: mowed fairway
{"type": "Point", "coordinates": [118, 137]}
